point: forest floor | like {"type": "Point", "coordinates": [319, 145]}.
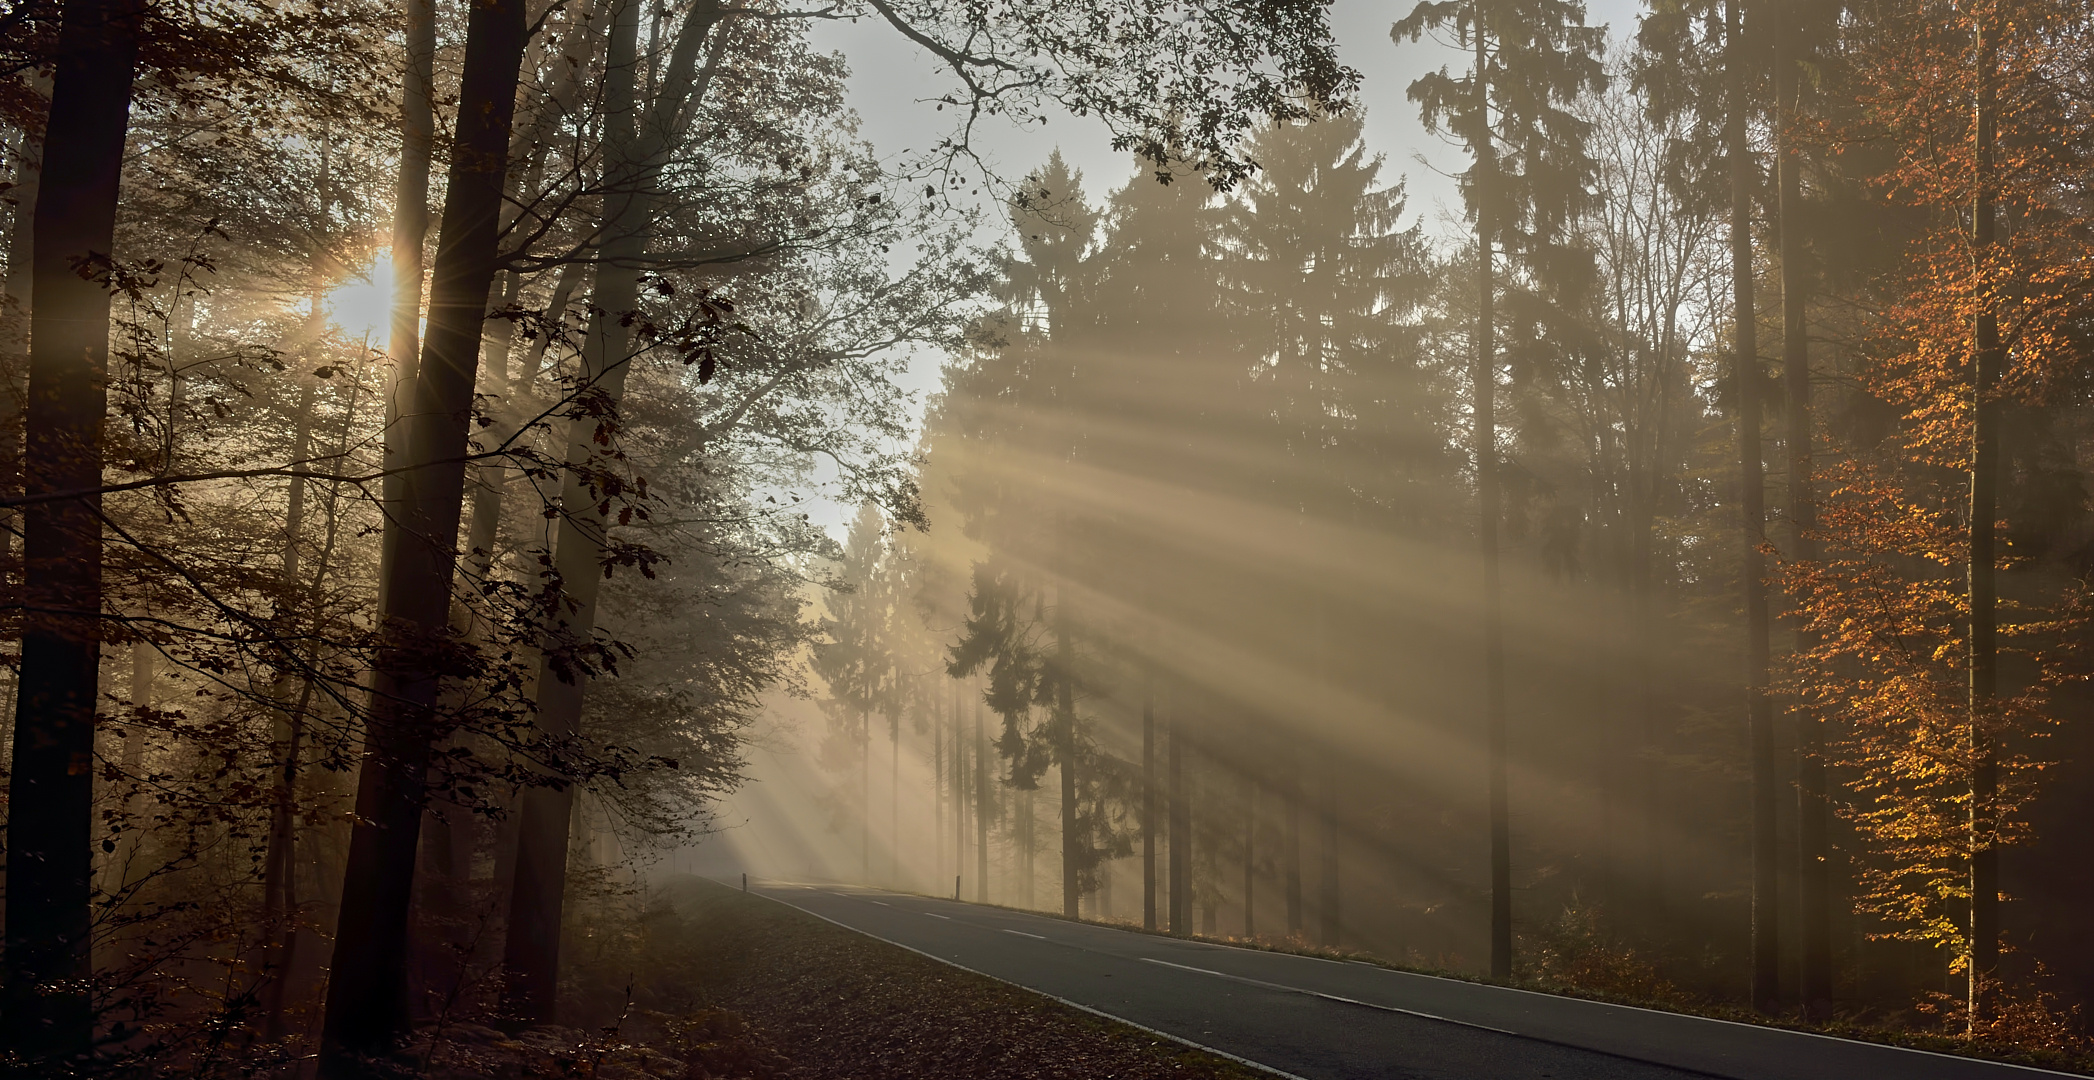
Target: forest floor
{"type": "Point", "coordinates": [716, 983]}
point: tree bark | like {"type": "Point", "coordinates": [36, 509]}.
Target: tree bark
{"type": "Point", "coordinates": [1488, 496]}
{"type": "Point", "coordinates": [366, 1010]}
{"type": "Point", "coordinates": [865, 787]}
{"type": "Point", "coordinates": [1812, 808]}
{"type": "Point", "coordinates": [279, 898]}
{"type": "Point", "coordinates": [1180, 839]}
{"type": "Point", "coordinates": [410, 228]}
{"type": "Point", "coordinates": [1331, 925]}
{"type": "Point", "coordinates": [48, 1012]}
{"type": "Point", "coordinates": [1292, 855]}
{"type": "Point", "coordinates": [1250, 850]}
{"type": "Point", "coordinates": [1759, 708]}
{"type": "Point", "coordinates": [632, 157]}
{"type": "Point", "coordinates": [959, 794]}
{"type": "Point", "coordinates": [15, 315]}
{"type": "Point", "coordinates": [937, 796]}
{"type": "Point", "coordinates": [1148, 806]}
{"type": "Point", "coordinates": [981, 808]}
{"type": "Point", "coordinates": [1989, 358]}
{"type": "Point", "coordinates": [1065, 706]}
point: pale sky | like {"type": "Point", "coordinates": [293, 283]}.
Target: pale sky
{"type": "Point", "coordinates": [892, 80]}
{"type": "Point", "coordinates": [893, 85]}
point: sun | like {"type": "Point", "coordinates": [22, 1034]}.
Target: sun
{"type": "Point", "coordinates": [362, 305]}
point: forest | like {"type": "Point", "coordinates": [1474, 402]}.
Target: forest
{"type": "Point", "coordinates": [464, 465]}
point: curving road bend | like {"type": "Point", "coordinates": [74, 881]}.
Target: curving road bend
{"type": "Point", "coordinates": [1315, 1019]}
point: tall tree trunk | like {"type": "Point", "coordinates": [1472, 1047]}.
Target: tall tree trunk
{"type": "Point", "coordinates": [1180, 839]}
{"type": "Point", "coordinates": [1024, 838]}
{"type": "Point", "coordinates": [1485, 393]}
{"type": "Point", "coordinates": [981, 808]}
{"type": "Point", "coordinates": [410, 229]}
{"type": "Point", "coordinates": [279, 901]}
{"type": "Point", "coordinates": [1651, 772]}
{"type": "Point", "coordinates": [285, 835]}
{"type": "Point", "coordinates": [48, 1014]}
{"type": "Point", "coordinates": [15, 308]}
{"type": "Point", "coordinates": [1759, 708]}
{"type": "Point", "coordinates": [144, 661]}
{"type": "Point", "coordinates": [894, 800]}
{"type": "Point", "coordinates": [366, 1009]}
{"type": "Point", "coordinates": [1331, 925]}
{"type": "Point", "coordinates": [1292, 854]}
{"type": "Point", "coordinates": [1989, 359]}
{"type": "Point", "coordinates": [1148, 805]}
{"type": "Point", "coordinates": [1812, 809]}
{"type": "Point", "coordinates": [632, 154]}
{"type": "Point", "coordinates": [959, 795]}
{"type": "Point", "coordinates": [1250, 851]}
{"type": "Point", "coordinates": [937, 796]}
{"type": "Point", "coordinates": [531, 954]}
{"type": "Point", "coordinates": [1065, 706]}
{"type": "Point", "coordinates": [865, 798]}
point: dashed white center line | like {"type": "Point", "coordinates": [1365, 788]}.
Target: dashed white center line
{"type": "Point", "coordinates": [883, 903]}
{"type": "Point", "coordinates": [935, 915]}
{"type": "Point", "coordinates": [1022, 933]}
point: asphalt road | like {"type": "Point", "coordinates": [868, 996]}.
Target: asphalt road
{"type": "Point", "coordinates": [1318, 1019]}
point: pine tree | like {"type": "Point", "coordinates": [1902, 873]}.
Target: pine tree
{"type": "Point", "coordinates": [1532, 58]}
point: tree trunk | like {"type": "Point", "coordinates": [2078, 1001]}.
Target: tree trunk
{"type": "Point", "coordinates": [279, 899]}
{"type": "Point", "coordinates": [1812, 809]}
{"type": "Point", "coordinates": [1024, 819]}
{"type": "Point", "coordinates": [865, 787]}
{"type": "Point", "coordinates": [959, 795]}
{"type": "Point", "coordinates": [1331, 929]}
{"type": "Point", "coordinates": [15, 308]}
{"type": "Point", "coordinates": [1759, 708]}
{"type": "Point", "coordinates": [366, 1009]}
{"type": "Point", "coordinates": [1292, 854]}
{"type": "Point", "coordinates": [937, 797]}
{"type": "Point", "coordinates": [1984, 498]}
{"type": "Point", "coordinates": [1065, 705]}
{"type": "Point", "coordinates": [1485, 392]}
{"type": "Point", "coordinates": [51, 787]}
{"type": "Point", "coordinates": [410, 229]}
{"type": "Point", "coordinates": [531, 954]}
{"type": "Point", "coordinates": [1180, 839]}
{"type": "Point", "coordinates": [1250, 850]}
{"type": "Point", "coordinates": [894, 801]}
{"type": "Point", "coordinates": [981, 808]}
{"type": "Point", "coordinates": [1148, 806]}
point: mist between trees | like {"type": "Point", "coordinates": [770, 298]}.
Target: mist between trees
{"type": "Point", "coordinates": [1263, 568]}
{"type": "Point", "coordinates": [1198, 638]}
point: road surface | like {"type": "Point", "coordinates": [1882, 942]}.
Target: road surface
{"type": "Point", "coordinates": [1317, 1019]}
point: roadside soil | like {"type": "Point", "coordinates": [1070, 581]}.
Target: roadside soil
{"type": "Point", "coordinates": [737, 985]}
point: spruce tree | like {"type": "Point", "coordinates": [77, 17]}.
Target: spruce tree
{"type": "Point", "coordinates": [1528, 175]}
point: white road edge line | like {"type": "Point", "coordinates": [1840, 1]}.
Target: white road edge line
{"type": "Point", "coordinates": [1334, 997]}
{"type": "Point", "coordinates": [1616, 1054]}
{"type": "Point", "coordinates": [1021, 933]}
{"type": "Point", "coordinates": [1078, 1006]}
{"type": "Point", "coordinates": [1397, 971]}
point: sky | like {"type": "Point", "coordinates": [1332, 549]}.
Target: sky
{"type": "Point", "coordinates": [893, 84]}
{"type": "Point", "coordinates": [892, 80]}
